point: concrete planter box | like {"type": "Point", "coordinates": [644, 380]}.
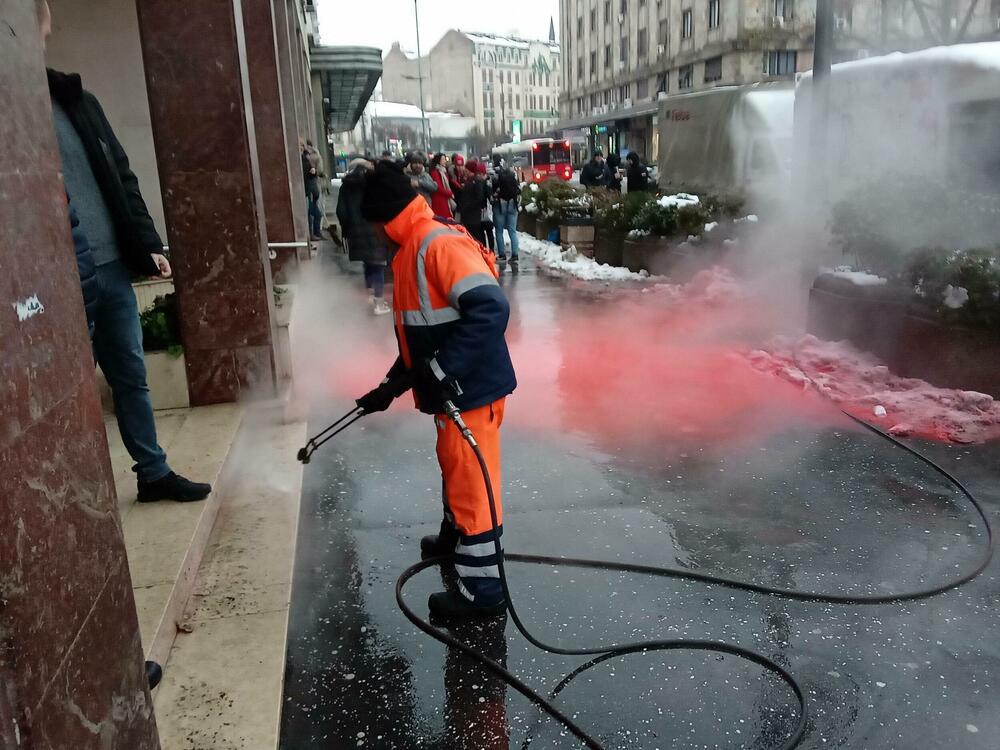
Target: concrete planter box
{"type": "Point", "coordinates": [891, 324]}
{"type": "Point", "coordinates": [645, 253]}
{"type": "Point", "coordinates": [543, 227]}
{"type": "Point", "coordinates": [608, 247]}
{"type": "Point", "coordinates": [167, 379]}
{"type": "Point", "coordinates": [579, 233]}
{"type": "Point", "coordinates": [527, 223]}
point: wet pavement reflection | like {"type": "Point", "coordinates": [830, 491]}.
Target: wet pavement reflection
{"type": "Point", "coordinates": [756, 485]}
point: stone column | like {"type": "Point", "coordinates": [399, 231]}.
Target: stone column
{"type": "Point", "coordinates": [269, 124]}
{"type": "Point", "coordinates": [203, 128]}
{"type": "Point", "coordinates": [71, 665]}
{"type": "Point", "coordinates": [292, 128]}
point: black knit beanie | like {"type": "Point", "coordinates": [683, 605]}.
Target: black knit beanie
{"type": "Point", "coordinates": [387, 192]}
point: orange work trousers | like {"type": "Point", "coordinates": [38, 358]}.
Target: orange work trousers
{"type": "Point", "coordinates": [464, 488]}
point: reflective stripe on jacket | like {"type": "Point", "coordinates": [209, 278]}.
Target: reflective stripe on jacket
{"type": "Point", "coordinates": [448, 308]}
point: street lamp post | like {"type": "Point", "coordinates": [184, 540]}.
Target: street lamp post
{"type": "Point", "coordinates": [420, 81]}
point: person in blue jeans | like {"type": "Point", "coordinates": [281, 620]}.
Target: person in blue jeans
{"type": "Point", "coordinates": [506, 198]}
{"type": "Point", "coordinates": [111, 214]}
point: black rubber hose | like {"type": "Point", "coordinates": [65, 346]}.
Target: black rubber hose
{"type": "Point", "coordinates": [606, 652]}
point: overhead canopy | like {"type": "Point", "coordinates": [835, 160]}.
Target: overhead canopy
{"type": "Point", "coordinates": [348, 76]}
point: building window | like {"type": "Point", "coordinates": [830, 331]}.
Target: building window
{"type": "Point", "coordinates": [593, 19]}
{"type": "Point", "coordinates": [713, 69]}
{"type": "Point", "coordinates": [662, 83]}
{"type": "Point", "coordinates": [607, 97]}
{"type": "Point", "coordinates": [579, 27]}
{"type": "Point", "coordinates": [607, 55]}
{"type": "Point", "coordinates": [624, 92]}
{"type": "Point", "coordinates": [486, 100]}
{"type": "Point", "coordinates": [642, 89]}
{"type": "Point", "coordinates": [624, 7]}
{"type": "Point", "coordinates": [662, 36]}
{"type": "Point", "coordinates": [593, 65]}
{"type": "Point", "coordinates": [595, 100]}
{"type": "Point", "coordinates": [491, 75]}
{"type": "Point", "coordinates": [607, 12]}
{"type": "Point", "coordinates": [780, 62]}
{"type": "Point", "coordinates": [623, 50]}
{"type": "Point", "coordinates": [509, 78]}
{"type": "Point", "coordinates": [579, 69]}
{"type": "Point", "coordinates": [784, 8]}
{"type": "Point", "coordinates": [687, 24]}
{"type": "Point", "coordinates": [517, 78]}
{"type": "Point", "coordinates": [517, 101]}
{"type": "Point", "coordinates": [685, 77]}
{"type": "Point", "coordinates": [713, 13]}
{"type": "Point", "coordinates": [642, 43]}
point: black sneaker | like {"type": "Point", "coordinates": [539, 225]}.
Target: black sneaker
{"type": "Point", "coordinates": [154, 673]}
{"type": "Point", "coordinates": [173, 487]}
{"type": "Point", "coordinates": [452, 606]}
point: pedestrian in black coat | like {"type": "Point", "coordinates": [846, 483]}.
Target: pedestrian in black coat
{"type": "Point", "coordinates": [595, 172]}
{"type": "Point", "coordinates": [362, 244]}
{"type": "Point", "coordinates": [138, 240]}
{"type": "Point", "coordinates": [637, 174]}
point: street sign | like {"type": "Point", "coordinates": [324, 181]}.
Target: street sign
{"type": "Point", "coordinates": [516, 130]}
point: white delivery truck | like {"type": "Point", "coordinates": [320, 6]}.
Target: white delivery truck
{"type": "Point", "coordinates": [932, 115]}
{"type": "Point", "coordinates": [729, 140]}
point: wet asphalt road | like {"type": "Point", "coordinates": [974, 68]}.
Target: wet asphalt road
{"type": "Point", "coordinates": [812, 504]}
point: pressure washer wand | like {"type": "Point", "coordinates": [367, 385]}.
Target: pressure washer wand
{"type": "Point", "coordinates": [305, 453]}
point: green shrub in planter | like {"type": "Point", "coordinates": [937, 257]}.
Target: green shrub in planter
{"type": "Point", "coordinates": [558, 200]}
{"type": "Point", "coordinates": [691, 220]}
{"type": "Point", "coordinates": [963, 288]}
{"type": "Point", "coordinates": [882, 222]}
{"type": "Point", "coordinates": [614, 212]}
{"type": "Point", "coordinates": [161, 326]}
{"type": "Point", "coordinates": [652, 218]}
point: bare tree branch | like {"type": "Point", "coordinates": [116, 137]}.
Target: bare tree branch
{"type": "Point", "coordinates": [963, 29]}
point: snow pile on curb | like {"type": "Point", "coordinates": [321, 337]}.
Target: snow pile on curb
{"type": "Point", "coordinates": [865, 388]}
{"type": "Point", "coordinates": [570, 261]}
{"type": "Point", "coordinates": [711, 286]}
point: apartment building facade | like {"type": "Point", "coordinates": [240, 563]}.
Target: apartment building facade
{"type": "Point", "coordinates": [622, 56]}
{"type": "Point", "coordinates": [497, 80]}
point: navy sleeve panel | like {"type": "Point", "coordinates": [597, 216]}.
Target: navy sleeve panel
{"type": "Point", "coordinates": [485, 312]}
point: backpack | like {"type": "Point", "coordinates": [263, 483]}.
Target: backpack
{"type": "Point", "coordinates": [508, 188]}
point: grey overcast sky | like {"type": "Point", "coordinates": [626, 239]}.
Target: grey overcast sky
{"type": "Point", "coordinates": [379, 23]}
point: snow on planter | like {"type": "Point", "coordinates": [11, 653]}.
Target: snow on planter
{"type": "Point", "coordinates": [570, 261]}
{"type": "Point", "coordinates": [679, 201]}
{"type": "Point", "coordinates": [859, 278]}
{"type": "Point", "coordinates": [860, 384]}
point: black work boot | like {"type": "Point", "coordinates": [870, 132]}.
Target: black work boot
{"type": "Point", "coordinates": [173, 487]}
{"type": "Point", "coordinates": [441, 544]}
{"type": "Point", "coordinates": [452, 606]}
{"type": "Point", "coordinates": [154, 673]}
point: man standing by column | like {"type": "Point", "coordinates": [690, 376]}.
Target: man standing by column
{"type": "Point", "coordinates": [124, 243]}
{"type": "Point", "coordinates": [310, 175]}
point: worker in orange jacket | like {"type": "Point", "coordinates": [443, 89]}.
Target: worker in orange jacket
{"type": "Point", "coordinates": [450, 317]}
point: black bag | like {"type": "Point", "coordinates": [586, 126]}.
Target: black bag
{"type": "Point", "coordinates": [508, 188]}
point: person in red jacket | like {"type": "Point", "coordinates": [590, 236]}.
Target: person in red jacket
{"type": "Point", "coordinates": [441, 200]}
{"type": "Point", "coordinates": [450, 317]}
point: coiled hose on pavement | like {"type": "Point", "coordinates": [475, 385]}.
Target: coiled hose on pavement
{"type": "Point", "coordinates": [609, 651]}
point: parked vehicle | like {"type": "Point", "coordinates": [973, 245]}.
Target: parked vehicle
{"type": "Point", "coordinates": [728, 140]}
{"type": "Point", "coordinates": [931, 114]}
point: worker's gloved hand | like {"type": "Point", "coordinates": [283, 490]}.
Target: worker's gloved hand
{"type": "Point", "coordinates": [381, 398]}
{"type": "Point", "coordinates": [424, 374]}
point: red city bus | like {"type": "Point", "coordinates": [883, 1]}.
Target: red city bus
{"type": "Point", "coordinates": [537, 159]}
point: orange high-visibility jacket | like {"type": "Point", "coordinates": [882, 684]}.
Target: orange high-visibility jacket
{"type": "Point", "coordinates": [448, 309]}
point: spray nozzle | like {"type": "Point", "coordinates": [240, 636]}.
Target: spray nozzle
{"type": "Point", "coordinates": [305, 452]}
{"type": "Point", "coordinates": [451, 411]}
